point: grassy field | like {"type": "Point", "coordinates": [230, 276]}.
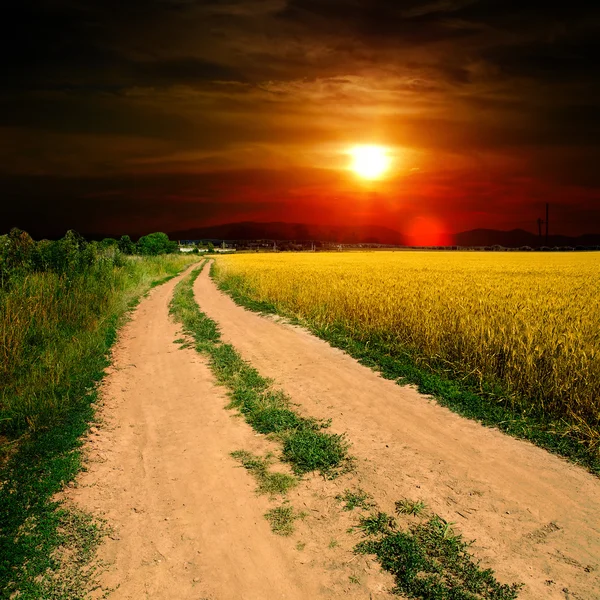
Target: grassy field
{"type": "Point", "coordinates": [517, 334]}
{"type": "Point", "coordinates": [60, 306]}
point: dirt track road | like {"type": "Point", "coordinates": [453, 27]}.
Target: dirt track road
{"type": "Point", "coordinates": [535, 517]}
{"type": "Point", "coordinates": [188, 525]}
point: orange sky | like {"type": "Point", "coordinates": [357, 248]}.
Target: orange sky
{"type": "Point", "coordinates": [129, 117]}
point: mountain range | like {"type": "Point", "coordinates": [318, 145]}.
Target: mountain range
{"type": "Point", "coordinates": [300, 232]}
{"type": "Point", "coordinates": [371, 234]}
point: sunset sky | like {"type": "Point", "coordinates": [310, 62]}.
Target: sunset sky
{"type": "Point", "coordinates": [144, 115]}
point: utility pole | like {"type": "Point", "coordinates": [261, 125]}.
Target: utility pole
{"type": "Point", "coordinates": [540, 222]}
{"type": "Point", "coordinates": [547, 214]}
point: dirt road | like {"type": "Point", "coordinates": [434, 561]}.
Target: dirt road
{"type": "Point", "coordinates": [186, 521]}
{"type": "Point", "coordinates": [535, 517]}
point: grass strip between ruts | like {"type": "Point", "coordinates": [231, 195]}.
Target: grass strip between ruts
{"type": "Point", "coordinates": [305, 446]}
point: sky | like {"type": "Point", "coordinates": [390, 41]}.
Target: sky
{"type": "Point", "coordinates": [131, 116]}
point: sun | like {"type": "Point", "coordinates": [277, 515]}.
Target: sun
{"type": "Point", "coordinates": [370, 162]}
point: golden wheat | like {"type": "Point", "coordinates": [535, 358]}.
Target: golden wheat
{"type": "Point", "coordinates": [528, 321]}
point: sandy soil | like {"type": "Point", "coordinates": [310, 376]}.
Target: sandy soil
{"type": "Point", "coordinates": [535, 517]}
{"type": "Point", "coordinates": [186, 521]}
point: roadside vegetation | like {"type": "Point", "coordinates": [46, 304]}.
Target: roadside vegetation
{"type": "Point", "coordinates": [510, 340]}
{"type": "Point", "coordinates": [61, 303]}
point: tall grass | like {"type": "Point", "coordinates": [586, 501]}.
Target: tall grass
{"type": "Point", "coordinates": [58, 319]}
{"type": "Point", "coordinates": [522, 329]}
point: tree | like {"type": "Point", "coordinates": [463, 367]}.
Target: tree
{"type": "Point", "coordinates": [211, 247]}
{"type": "Point", "coordinates": [126, 246]}
{"type": "Point", "coordinates": [156, 243]}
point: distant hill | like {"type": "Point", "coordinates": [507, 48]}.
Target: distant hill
{"type": "Point", "coordinates": [300, 232]}
{"type": "Point", "coordinates": [518, 237]}
{"type": "Point", "coordinates": [371, 234]}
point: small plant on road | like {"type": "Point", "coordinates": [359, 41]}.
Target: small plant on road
{"type": "Point", "coordinates": [269, 482]}
{"type": "Point", "coordinates": [358, 499]}
{"type": "Point", "coordinates": [377, 523]}
{"type": "Point", "coordinates": [282, 519]}
{"type": "Point", "coordinates": [410, 507]}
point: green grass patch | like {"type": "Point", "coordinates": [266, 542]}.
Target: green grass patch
{"type": "Point", "coordinates": [282, 519]}
{"type": "Point", "coordinates": [47, 405]}
{"type": "Point", "coordinates": [306, 447]}
{"type": "Point", "coordinates": [77, 570]}
{"type": "Point", "coordinates": [376, 523]}
{"type": "Point", "coordinates": [410, 507]}
{"type": "Point", "coordinates": [430, 560]}
{"type": "Point", "coordinates": [309, 450]}
{"type": "Point", "coordinates": [357, 499]}
{"type": "Point", "coordinates": [487, 402]}
{"type": "Point", "coordinates": [269, 482]}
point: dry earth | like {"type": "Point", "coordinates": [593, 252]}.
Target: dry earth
{"type": "Point", "coordinates": [187, 523]}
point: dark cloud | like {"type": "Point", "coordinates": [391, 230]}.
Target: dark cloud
{"type": "Point", "coordinates": [125, 88]}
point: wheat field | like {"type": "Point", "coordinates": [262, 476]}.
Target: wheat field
{"type": "Point", "coordinates": [527, 322]}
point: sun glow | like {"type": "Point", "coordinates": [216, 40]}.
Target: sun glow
{"type": "Point", "coordinates": [370, 162]}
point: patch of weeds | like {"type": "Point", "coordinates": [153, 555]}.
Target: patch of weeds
{"type": "Point", "coordinates": [305, 446]}
{"type": "Point", "coordinates": [300, 546]}
{"type": "Point", "coordinates": [377, 523]}
{"type": "Point", "coordinates": [183, 343]}
{"type": "Point", "coordinates": [309, 450]}
{"type": "Point", "coordinates": [355, 579]}
{"type": "Point", "coordinates": [76, 572]}
{"type": "Point", "coordinates": [271, 483]}
{"type": "Point", "coordinates": [333, 544]}
{"type": "Point", "coordinates": [282, 519]}
{"type": "Point", "coordinates": [271, 418]}
{"type": "Point", "coordinates": [352, 500]}
{"type": "Point", "coordinates": [431, 561]}
{"type": "Point", "coordinates": [410, 507]}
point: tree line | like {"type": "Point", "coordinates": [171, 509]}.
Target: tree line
{"type": "Point", "coordinates": [73, 254]}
